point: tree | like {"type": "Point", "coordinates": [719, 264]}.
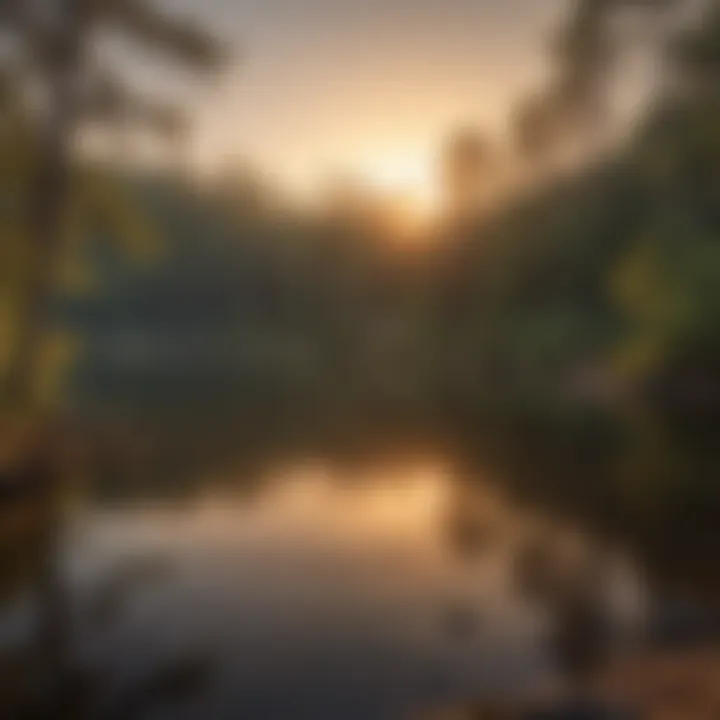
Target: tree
{"type": "Point", "coordinates": [465, 166]}
{"type": "Point", "coordinates": [55, 42]}
{"type": "Point", "coordinates": [571, 112]}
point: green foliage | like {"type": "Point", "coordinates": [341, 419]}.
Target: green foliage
{"type": "Point", "coordinates": [39, 166]}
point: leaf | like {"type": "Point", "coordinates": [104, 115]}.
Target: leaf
{"type": "Point", "coordinates": [103, 204]}
{"type": "Point", "coordinates": [110, 101]}
{"type": "Point", "coordinates": [182, 39]}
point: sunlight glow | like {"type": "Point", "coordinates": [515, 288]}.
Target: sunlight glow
{"type": "Point", "coordinates": [409, 177]}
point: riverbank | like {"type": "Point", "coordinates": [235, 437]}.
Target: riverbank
{"type": "Point", "coordinates": [667, 685]}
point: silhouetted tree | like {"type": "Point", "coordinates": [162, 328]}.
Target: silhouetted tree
{"type": "Point", "coordinates": [586, 55]}
{"type": "Point", "coordinates": [55, 37]}
{"type": "Point", "coordinates": [465, 165]}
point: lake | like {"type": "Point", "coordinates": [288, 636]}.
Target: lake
{"type": "Point", "coordinates": [322, 589]}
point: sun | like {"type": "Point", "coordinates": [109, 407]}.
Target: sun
{"type": "Point", "coordinates": [409, 177]}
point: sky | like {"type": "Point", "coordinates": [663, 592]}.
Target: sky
{"type": "Point", "coordinates": [367, 87]}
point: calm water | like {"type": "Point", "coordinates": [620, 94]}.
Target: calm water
{"type": "Point", "coordinates": [328, 592]}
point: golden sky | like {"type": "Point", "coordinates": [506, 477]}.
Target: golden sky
{"type": "Point", "coordinates": [363, 86]}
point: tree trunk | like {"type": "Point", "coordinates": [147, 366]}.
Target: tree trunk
{"type": "Point", "coordinates": [62, 61]}
{"type": "Point", "coordinates": [48, 197]}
